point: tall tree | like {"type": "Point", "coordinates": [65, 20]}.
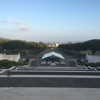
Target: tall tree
{"type": "Point", "coordinates": [15, 45]}
{"type": "Point", "coordinates": [93, 45]}
{"type": "Point", "coordinates": [1, 48]}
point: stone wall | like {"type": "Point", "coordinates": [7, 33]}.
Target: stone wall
{"type": "Point", "coordinates": [49, 82]}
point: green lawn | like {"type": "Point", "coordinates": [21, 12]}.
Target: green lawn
{"type": "Point", "coordinates": [89, 52]}
{"type": "Point", "coordinates": [50, 50]}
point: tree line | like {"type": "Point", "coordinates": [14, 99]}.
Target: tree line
{"type": "Point", "coordinates": [18, 45]}
{"type": "Point", "coordinates": [92, 45]}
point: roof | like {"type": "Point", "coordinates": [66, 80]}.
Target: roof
{"type": "Point", "coordinates": [52, 54]}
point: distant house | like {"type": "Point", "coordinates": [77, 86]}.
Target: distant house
{"type": "Point", "coordinates": [74, 42]}
{"type": "Point", "coordinates": [53, 44]}
{"type": "Point", "coordinates": [92, 58]}
{"type": "Point", "coordinates": [10, 57]}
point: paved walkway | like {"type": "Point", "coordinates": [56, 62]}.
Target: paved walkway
{"type": "Point", "coordinates": [49, 94]}
{"type": "Point", "coordinates": [54, 76]}
{"type": "Point", "coordinates": [53, 68]}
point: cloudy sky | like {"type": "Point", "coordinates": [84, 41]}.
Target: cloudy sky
{"type": "Point", "coordinates": [50, 20]}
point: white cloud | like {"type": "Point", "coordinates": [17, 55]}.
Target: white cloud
{"type": "Point", "coordinates": [8, 20]}
{"type": "Point", "coordinates": [20, 26]}
{"type": "Point", "coordinates": [23, 27]}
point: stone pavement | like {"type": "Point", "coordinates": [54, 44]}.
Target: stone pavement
{"type": "Point", "coordinates": [49, 94]}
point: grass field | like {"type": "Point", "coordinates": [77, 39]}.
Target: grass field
{"type": "Point", "coordinates": [54, 50]}
{"type": "Point", "coordinates": [89, 52]}
{"type": "Point", "coordinates": [65, 54]}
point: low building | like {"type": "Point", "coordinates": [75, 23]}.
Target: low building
{"type": "Point", "coordinates": [53, 44]}
{"type": "Point", "coordinates": [92, 58]}
{"type": "Point", "coordinates": [74, 42]}
{"type": "Point", "coordinates": [10, 57]}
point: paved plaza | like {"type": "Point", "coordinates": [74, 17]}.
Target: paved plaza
{"type": "Point", "coordinates": [50, 87]}
{"type": "Point", "coordinates": [49, 94]}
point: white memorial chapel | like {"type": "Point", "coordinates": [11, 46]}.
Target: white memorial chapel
{"type": "Point", "coordinates": [92, 58]}
{"type": "Point", "coordinates": [10, 57]}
